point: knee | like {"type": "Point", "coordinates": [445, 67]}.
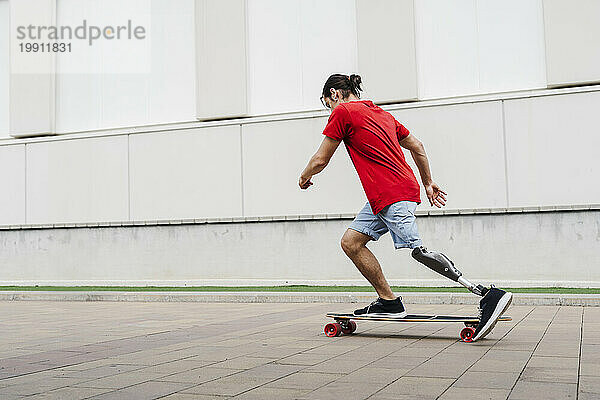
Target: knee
{"type": "Point", "coordinates": [349, 245]}
{"type": "Point", "coordinates": [418, 252]}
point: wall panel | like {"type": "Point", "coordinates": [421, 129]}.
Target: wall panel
{"type": "Point", "coordinates": [552, 147]}
{"type": "Point", "coordinates": [79, 102]}
{"type": "Point", "coordinates": [79, 99]}
{"type": "Point", "coordinates": [32, 74]}
{"type": "Point", "coordinates": [12, 184]}
{"type": "Point", "coordinates": [446, 40]}
{"type": "Point", "coordinates": [274, 59]}
{"type": "Point", "coordinates": [96, 89]}
{"type": "Point", "coordinates": [386, 49]}
{"type": "Point", "coordinates": [572, 32]}
{"type": "Point", "coordinates": [172, 81]}
{"type": "Point", "coordinates": [81, 180]}
{"type": "Point", "coordinates": [321, 58]}
{"type": "Point", "coordinates": [511, 45]}
{"type": "Point", "coordinates": [293, 48]}
{"type": "Point", "coordinates": [464, 144]}
{"type": "Point", "coordinates": [221, 37]}
{"type": "Point", "coordinates": [124, 100]}
{"type": "Point", "coordinates": [4, 68]}
{"type": "Point", "coordinates": [476, 46]}
{"type": "Point", "coordinates": [192, 173]}
{"type": "Point", "coordinates": [274, 155]}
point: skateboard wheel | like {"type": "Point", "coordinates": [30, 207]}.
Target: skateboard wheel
{"type": "Point", "coordinates": [349, 328]}
{"type": "Point", "coordinates": [467, 334]}
{"type": "Point", "coordinates": [333, 329]}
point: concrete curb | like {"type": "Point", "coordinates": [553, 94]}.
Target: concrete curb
{"type": "Point", "coordinates": [543, 299]}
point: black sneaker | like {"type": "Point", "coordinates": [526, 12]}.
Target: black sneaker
{"type": "Point", "coordinates": [381, 307]}
{"type": "Point", "coordinates": [491, 307]}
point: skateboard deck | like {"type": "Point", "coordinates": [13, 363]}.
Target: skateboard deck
{"type": "Point", "coordinates": [344, 323]}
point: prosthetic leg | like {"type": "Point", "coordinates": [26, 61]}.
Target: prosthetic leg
{"type": "Point", "coordinates": [444, 266]}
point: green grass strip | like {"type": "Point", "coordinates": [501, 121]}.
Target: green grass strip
{"type": "Point", "coordinates": [291, 288]}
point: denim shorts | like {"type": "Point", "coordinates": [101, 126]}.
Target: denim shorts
{"type": "Point", "coordinates": [397, 218]}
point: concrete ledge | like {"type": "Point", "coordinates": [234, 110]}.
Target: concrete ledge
{"type": "Point", "coordinates": [543, 299]}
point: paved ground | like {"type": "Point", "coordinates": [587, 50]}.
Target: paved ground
{"type": "Point", "coordinates": [77, 350]}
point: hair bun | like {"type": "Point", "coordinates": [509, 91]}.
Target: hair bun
{"type": "Point", "coordinates": [355, 82]}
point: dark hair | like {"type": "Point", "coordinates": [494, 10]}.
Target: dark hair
{"type": "Point", "coordinates": [347, 84]}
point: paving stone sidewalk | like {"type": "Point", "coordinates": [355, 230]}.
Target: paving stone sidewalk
{"type": "Point", "coordinates": [180, 351]}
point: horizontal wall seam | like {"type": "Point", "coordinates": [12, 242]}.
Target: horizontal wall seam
{"type": "Point", "coordinates": [183, 125]}
{"type": "Point", "coordinates": [306, 217]}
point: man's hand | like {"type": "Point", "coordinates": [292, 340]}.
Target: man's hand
{"type": "Point", "coordinates": [304, 183]}
{"type": "Point", "coordinates": [436, 196]}
{"type": "Point", "coordinates": [318, 161]}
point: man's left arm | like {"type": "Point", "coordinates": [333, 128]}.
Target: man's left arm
{"type": "Point", "coordinates": [436, 196]}
{"type": "Point", "coordinates": [318, 161]}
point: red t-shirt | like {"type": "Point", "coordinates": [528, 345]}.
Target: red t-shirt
{"type": "Point", "coordinates": [372, 136]}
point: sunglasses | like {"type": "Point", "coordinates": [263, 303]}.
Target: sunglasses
{"type": "Point", "coordinates": [324, 103]}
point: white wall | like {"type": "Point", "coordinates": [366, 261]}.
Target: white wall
{"type": "Point", "coordinates": [572, 32]}
{"type": "Point", "coordinates": [213, 172]}
{"type": "Point", "coordinates": [32, 74]}
{"type": "Point", "coordinates": [252, 168]}
{"type": "Point", "coordinates": [77, 180]}
{"type": "Point", "coordinates": [94, 97]}
{"type": "Point", "coordinates": [193, 173]}
{"type": "Point", "coordinates": [172, 80]}
{"type": "Point", "coordinates": [4, 65]}
{"type": "Point", "coordinates": [274, 155]}
{"type": "Point", "coordinates": [476, 46]}
{"type": "Point", "coordinates": [511, 45]}
{"type": "Point", "coordinates": [320, 58]}
{"type": "Point", "coordinates": [386, 49]}
{"type": "Point", "coordinates": [222, 80]}
{"type": "Point", "coordinates": [293, 46]}
{"type": "Point", "coordinates": [552, 146]}
{"type": "Point", "coordinates": [464, 144]}
{"type": "Point", "coordinates": [12, 184]}
{"type": "Point", "coordinates": [462, 47]}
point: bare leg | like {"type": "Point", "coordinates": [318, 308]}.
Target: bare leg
{"type": "Point", "coordinates": [354, 245]}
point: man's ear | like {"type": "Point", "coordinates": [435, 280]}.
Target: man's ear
{"type": "Point", "coordinates": [334, 95]}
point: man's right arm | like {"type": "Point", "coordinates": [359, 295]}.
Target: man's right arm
{"type": "Point", "coordinates": [435, 195]}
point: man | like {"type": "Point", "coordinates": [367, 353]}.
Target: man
{"type": "Point", "coordinates": [374, 140]}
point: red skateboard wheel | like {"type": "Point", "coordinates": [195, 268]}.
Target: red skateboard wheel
{"type": "Point", "coordinates": [349, 328]}
{"type": "Point", "coordinates": [333, 329]}
{"type": "Point", "coordinates": [467, 334]}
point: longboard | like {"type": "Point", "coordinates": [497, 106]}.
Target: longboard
{"type": "Point", "coordinates": [344, 323]}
